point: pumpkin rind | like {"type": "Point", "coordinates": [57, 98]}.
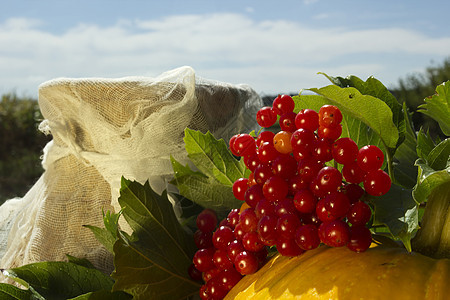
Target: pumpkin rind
{"type": "Point", "coordinates": [382, 272]}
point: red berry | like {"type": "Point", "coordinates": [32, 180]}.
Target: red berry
{"type": "Point", "coordinates": [246, 263]}
{"type": "Point", "coordinates": [287, 121]}
{"type": "Point", "coordinates": [360, 238]}
{"type": "Point", "coordinates": [234, 248]}
{"type": "Point", "coordinates": [266, 116]}
{"type": "Point", "coordinates": [244, 144]}
{"type": "Point", "coordinates": [267, 152]}
{"type": "Point", "coordinates": [222, 237]}
{"type": "Point", "coordinates": [239, 188]}
{"type": "Point", "coordinates": [329, 116]}
{"type": "Point", "coordinates": [331, 133]}
{"type": "Point", "coordinates": [264, 136]}
{"type": "Point", "coordinates": [221, 260]}
{"type": "Point", "coordinates": [370, 158]}
{"type": "Point", "coordinates": [203, 239]}
{"type": "Point", "coordinates": [353, 173]}
{"type": "Point", "coordinates": [307, 237]}
{"type": "Point", "coordinates": [377, 183]}
{"type": "Point", "coordinates": [267, 227]}
{"type": "Point", "coordinates": [336, 234]}
{"type": "Point", "coordinates": [288, 247]}
{"type": "Point", "coordinates": [194, 273]}
{"type": "Point", "coordinates": [307, 119]}
{"type": "Point", "coordinates": [287, 224]}
{"type": "Point", "coordinates": [283, 104]}
{"type": "Point", "coordinates": [253, 195]}
{"type": "Point", "coordinates": [275, 188]}
{"type": "Point", "coordinates": [207, 220]}
{"type": "Point", "coordinates": [284, 166]}
{"type": "Point", "coordinates": [305, 201]}
{"type": "Point", "coordinates": [329, 179]}
{"type": "Point", "coordinates": [359, 213]}
{"type": "Point", "coordinates": [345, 150]}
{"type": "Point", "coordinates": [203, 259]}
{"type": "Point", "coordinates": [251, 242]}
{"type": "Point", "coordinates": [248, 220]}
{"type": "Point", "coordinates": [229, 278]}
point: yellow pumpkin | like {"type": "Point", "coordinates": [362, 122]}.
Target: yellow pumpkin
{"type": "Point", "coordinates": [382, 272]}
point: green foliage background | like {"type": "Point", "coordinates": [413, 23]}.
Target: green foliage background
{"type": "Point", "coordinates": [22, 143]}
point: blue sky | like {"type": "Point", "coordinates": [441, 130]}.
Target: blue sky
{"type": "Point", "coordinates": [274, 46]}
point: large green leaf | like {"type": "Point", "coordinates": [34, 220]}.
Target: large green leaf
{"type": "Point", "coordinates": [205, 191]}
{"type": "Point", "coordinates": [154, 265]}
{"type": "Point", "coordinates": [212, 157]}
{"type": "Point", "coordinates": [438, 157]}
{"type": "Point", "coordinates": [375, 88]}
{"type": "Point", "coordinates": [437, 107]}
{"type": "Point", "coordinates": [210, 185]}
{"type": "Point", "coordinates": [399, 212]}
{"type": "Point", "coordinates": [60, 280]}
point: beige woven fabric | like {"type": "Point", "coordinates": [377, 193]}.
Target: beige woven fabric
{"type": "Point", "coordinates": [103, 129]}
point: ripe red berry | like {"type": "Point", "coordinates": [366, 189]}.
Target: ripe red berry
{"type": "Point", "coordinates": [246, 263]}
{"type": "Point", "coordinates": [345, 150]}
{"type": "Point", "coordinates": [287, 121]}
{"type": "Point", "coordinates": [370, 158]}
{"type": "Point", "coordinates": [222, 237]}
{"type": "Point", "coordinates": [275, 188]}
{"type": "Point", "coordinates": [353, 173]}
{"type": "Point", "coordinates": [244, 144]}
{"type": "Point", "coordinates": [331, 133]}
{"type": "Point", "coordinates": [329, 179]}
{"type": "Point", "coordinates": [329, 116]}
{"type": "Point", "coordinates": [359, 213]}
{"type": "Point", "coordinates": [239, 188]}
{"type": "Point", "coordinates": [307, 119]}
{"type": "Point", "coordinates": [360, 238]}
{"type": "Point", "coordinates": [305, 201]}
{"type": "Point", "coordinates": [283, 104]}
{"type": "Point", "coordinates": [266, 116]}
{"type": "Point", "coordinates": [203, 259]}
{"type": "Point", "coordinates": [307, 237]}
{"type": "Point", "coordinates": [336, 234]}
{"type": "Point", "coordinates": [207, 220]}
{"type": "Point", "coordinates": [377, 183]}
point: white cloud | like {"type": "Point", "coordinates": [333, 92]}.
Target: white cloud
{"type": "Point", "coordinates": [271, 56]}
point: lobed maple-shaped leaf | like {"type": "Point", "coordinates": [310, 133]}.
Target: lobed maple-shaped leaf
{"type": "Point", "coordinates": [154, 263]}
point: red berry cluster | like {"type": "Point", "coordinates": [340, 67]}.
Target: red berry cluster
{"type": "Point", "coordinates": [225, 253]}
{"type": "Point", "coordinates": [295, 201]}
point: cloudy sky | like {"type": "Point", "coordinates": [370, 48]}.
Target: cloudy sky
{"type": "Point", "coordinates": [274, 46]}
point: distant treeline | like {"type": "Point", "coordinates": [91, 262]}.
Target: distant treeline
{"type": "Point", "coordinates": [22, 143]}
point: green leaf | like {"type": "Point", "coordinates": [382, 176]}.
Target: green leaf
{"type": "Point", "coordinates": [375, 88]}
{"type": "Point", "coordinates": [406, 155]}
{"type": "Point", "coordinates": [438, 157]}
{"type": "Point", "coordinates": [398, 211]}
{"type": "Point", "coordinates": [428, 179]}
{"type": "Point", "coordinates": [80, 261]}
{"type": "Point", "coordinates": [10, 292]}
{"type": "Point", "coordinates": [437, 107]}
{"type": "Point", "coordinates": [205, 191]}
{"type": "Point", "coordinates": [103, 294]}
{"type": "Point", "coordinates": [424, 145]}
{"type": "Point", "coordinates": [155, 265]}
{"type": "Point", "coordinates": [212, 157]}
{"type": "Point", "coordinates": [60, 280]}
{"type": "Point", "coordinates": [370, 110]}
{"type": "Point", "coordinates": [107, 236]}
